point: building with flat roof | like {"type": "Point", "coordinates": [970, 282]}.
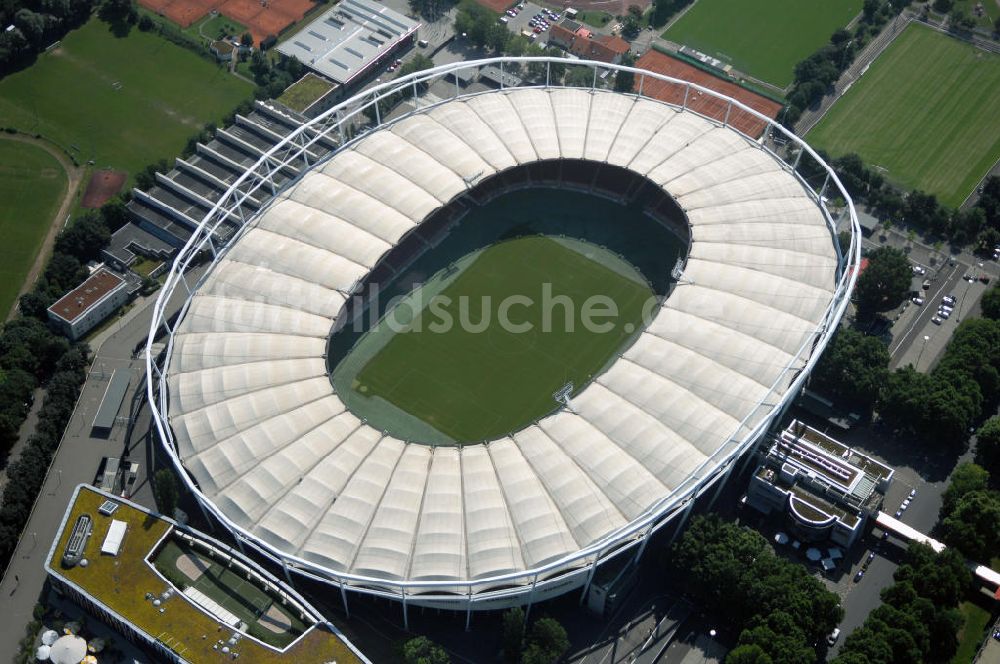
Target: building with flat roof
{"type": "Point", "coordinates": [78, 311]}
{"type": "Point", "coordinates": [827, 489]}
{"type": "Point", "coordinates": [179, 595]}
{"type": "Point", "coordinates": [350, 39]}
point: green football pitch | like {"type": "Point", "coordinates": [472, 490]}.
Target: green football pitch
{"type": "Point", "coordinates": [32, 185]}
{"type": "Point", "coordinates": [925, 113]}
{"type": "Point", "coordinates": [122, 102]}
{"type": "Point", "coordinates": [477, 379]}
{"type": "Point", "coordinates": [763, 38]}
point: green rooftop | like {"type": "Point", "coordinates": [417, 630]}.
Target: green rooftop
{"type": "Point", "coordinates": [126, 583]}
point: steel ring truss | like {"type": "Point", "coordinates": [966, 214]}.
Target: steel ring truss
{"type": "Point", "coordinates": [571, 571]}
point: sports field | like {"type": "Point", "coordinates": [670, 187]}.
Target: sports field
{"type": "Point", "coordinates": [925, 113]}
{"type": "Point", "coordinates": [763, 38]}
{"type": "Point", "coordinates": [32, 186]}
{"type": "Point", "coordinates": [122, 102]}
{"type": "Point", "coordinates": [473, 379]}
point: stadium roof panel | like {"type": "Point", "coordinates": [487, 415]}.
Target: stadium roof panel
{"type": "Point", "coordinates": [273, 447]}
{"type": "Point", "coordinates": [346, 39]}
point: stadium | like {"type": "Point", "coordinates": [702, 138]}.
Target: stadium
{"type": "Point", "coordinates": [244, 393]}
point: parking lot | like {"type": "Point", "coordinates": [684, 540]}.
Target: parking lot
{"type": "Point", "coordinates": [520, 22]}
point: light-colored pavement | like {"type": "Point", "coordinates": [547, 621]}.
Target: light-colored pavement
{"type": "Point", "coordinates": [76, 461]}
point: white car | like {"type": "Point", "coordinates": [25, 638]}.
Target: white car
{"type": "Point", "coordinates": [906, 503]}
{"type": "Point", "coordinates": [936, 320]}
{"type": "Point", "coordinates": [919, 270]}
{"type": "Point", "coordinates": [917, 300]}
{"type": "Point", "coordinates": [834, 635]}
{"type": "Point", "coordinates": [944, 313]}
{"type": "Point", "coordinates": [913, 494]}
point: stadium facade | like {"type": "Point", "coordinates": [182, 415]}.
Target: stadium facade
{"type": "Point", "coordinates": [243, 403]}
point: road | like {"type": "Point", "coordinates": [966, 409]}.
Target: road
{"type": "Point", "coordinates": [75, 462]}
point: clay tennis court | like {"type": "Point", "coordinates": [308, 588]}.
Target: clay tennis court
{"type": "Point", "coordinates": [712, 107]}
{"type": "Point", "coordinates": [102, 186]}
{"type": "Point", "coordinates": [262, 18]}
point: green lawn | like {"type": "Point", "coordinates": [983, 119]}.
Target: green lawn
{"type": "Point", "coordinates": [123, 102]}
{"type": "Point", "coordinates": [243, 599]}
{"type": "Point", "coordinates": [763, 38]}
{"type": "Point", "coordinates": [971, 634]}
{"type": "Point", "coordinates": [925, 112]}
{"type": "Point", "coordinates": [594, 18]}
{"type": "Point", "coordinates": [32, 185]}
{"type": "Point", "coordinates": [211, 27]}
{"type": "Point", "coordinates": [301, 94]}
{"type": "Point", "coordinates": [476, 385]}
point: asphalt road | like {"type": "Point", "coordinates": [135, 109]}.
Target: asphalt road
{"type": "Point", "coordinates": [75, 462]}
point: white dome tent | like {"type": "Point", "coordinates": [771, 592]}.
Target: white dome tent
{"type": "Point", "coordinates": [248, 414]}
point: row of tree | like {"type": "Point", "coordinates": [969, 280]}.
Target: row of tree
{"type": "Point", "coordinates": [977, 227]}
{"type": "Point", "coordinates": [816, 75]}
{"type": "Point", "coordinates": [63, 368]}
{"type": "Point", "coordinates": [918, 620]}
{"type": "Point", "coordinates": [942, 406]}
{"type": "Point", "coordinates": [780, 610]}
{"type": "Point", "coordinates": [970, 512]}
{"type": "Point", "coordinates": [35, 25]}
{"type": "Point", "coordinates": [544, 643]}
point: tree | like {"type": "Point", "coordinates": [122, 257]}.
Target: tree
{"type": "Point", "coordinates": [943, 6]}
{"type": "Point", "coordinates": [513, 634]}
{"type": "Point", "coordinates": [421, 650]}
{"type": "Point", "coordinates": [546, 643]}
{"type": "Point", "coordinates": [625, 80]}
{"type": "Point", "coordinates": [118, 11]}
{"type": "Point", "coordinates": [246, 39]}
{"type": "Point", "coordinates": [631, 26]}
{"type": "Point", "coordinates": [990, 303]}
{"type": "Point", "coordinates": [967, 478]}
{"type": "Point", "coordinates": [929, 408]}
{"type": "Point", "coordinates": [885, 283]}
{"type": "Point", "coordinates": [165, 491]}
{"type": "Point", "coordinates": [960, 20]}
{"type": "Point", "coordinates": [973, 525]}
{"type": "Point", "coordinates": [988, 447]}
{"type": "Point", "coordinates": [853, 369]}
{"type": "Point", "coordinates": [941, 578]}
{"type": "Point", "coordinates": [748, 654]}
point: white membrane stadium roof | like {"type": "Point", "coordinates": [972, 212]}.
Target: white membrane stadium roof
{"type": "Point", "coordinates": [259, 427]}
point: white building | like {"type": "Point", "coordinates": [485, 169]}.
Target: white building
{"type": "Point", "coordinates": [350, 39]}
{"type": "Point", "coordinates": [78, 311]}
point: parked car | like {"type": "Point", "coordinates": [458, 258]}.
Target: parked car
{"type": "Point", "coordinates": [917, 300]}
{"type": "Point", "coordinates": [871, 556]}
{"type": "Point", "coordinates": [913, 494]}
{"type": "Point", "coordinates": [834, 635]}
{"type": "Point", "coordinates": [898, 513]}
{"type": "Point", "coordinates": [936, 320]}
{"type": "Point", "coordinates": [926, 285]}
{"type": "Point", "coordinates": [919, 270]}
{"type": "Point", "coordinates": [944, 313]}
{"type": "Point", "coordinates": [904, 505]}
{"type": "Point", "coordinates": [857, 577]}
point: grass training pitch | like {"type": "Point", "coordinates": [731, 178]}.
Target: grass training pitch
{"type": "Point", "coordinates": [32, 186]}
{"type": "Point", "coordinates": [925, 112]}
{"type": "Point", "coordinates": [763, 38]}
{"type": "Point", "coordinates": [122, 102]}
{"type": "Point", "coordinates": [480, 381]}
